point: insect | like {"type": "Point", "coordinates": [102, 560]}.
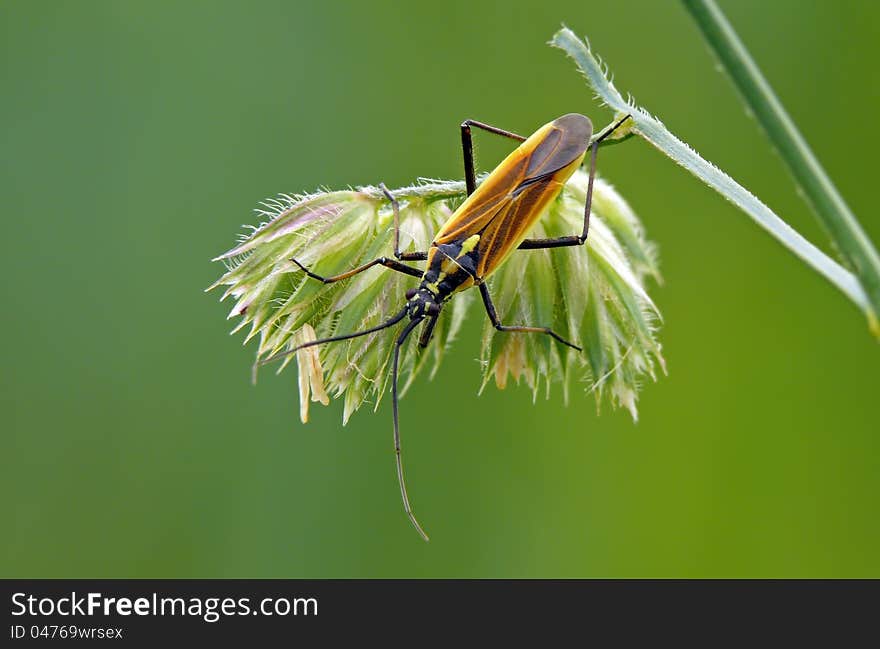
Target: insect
{"type": "Point", "coordinates": [492, 222]}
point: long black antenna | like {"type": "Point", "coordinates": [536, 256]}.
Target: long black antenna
{"type": "Point", "coordinates": [406, 506]}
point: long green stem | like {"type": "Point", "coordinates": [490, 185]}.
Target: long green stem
{"type": "Point", "coordinates": [848, 236]}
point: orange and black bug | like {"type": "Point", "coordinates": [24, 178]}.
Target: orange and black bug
{"type": "Point", "coordinates": [490, 224]}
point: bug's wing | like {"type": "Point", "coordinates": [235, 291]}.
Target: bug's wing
{"type": "Point", "coordinates": [552, 152]}
{"type": "Point", "coordinates": [489, 199]}
{"type": "Point", "coordinates": [513, 220]}
{"type": "Point", "coordinates": [557, 144]}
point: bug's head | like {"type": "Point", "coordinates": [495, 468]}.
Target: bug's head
{"type": "Point", "coordinates": [421, 303]}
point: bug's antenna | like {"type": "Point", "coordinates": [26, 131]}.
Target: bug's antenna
{"type": "Point", "coordinates": [393, 320]}
{"type": "Point", "coordinates": [406, 506]}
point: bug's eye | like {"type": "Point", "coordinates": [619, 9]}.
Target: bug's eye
{"type": "Point", "coordinates": [433, 308]}
{"type": "Point", "coordinates": [411, 293]}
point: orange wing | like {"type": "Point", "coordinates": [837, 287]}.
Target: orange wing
{"type": "Point", "coordinates": [490, 198]}
{"type": "Point", "coordinates": [503, 234]}
{"type": "Point", "coordinates": [506, 205]}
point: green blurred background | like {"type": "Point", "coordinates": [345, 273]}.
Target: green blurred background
{"type": "Point", "coordinates": [137, 138]}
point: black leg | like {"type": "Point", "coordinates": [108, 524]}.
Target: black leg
{"type": "Point", "coordinates": [493, 316]}
{"type": "Point", "coordinates": [574, 239]}
{"type": "Point", "coordinates": [393, 320]}
{"type": "Point", "coordinates": [406, 256]}
{"type": "Point", "coordinates": [427, 332]}
{"type": "Point", "coordinates": [406, 506]}
{"type": "Point", "coordinates": [467, 148]}
{"type": "Point", "coordinates": [384, 261]}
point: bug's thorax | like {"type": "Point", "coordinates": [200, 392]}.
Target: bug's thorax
{"type": "Point", "coordinates": [451, 267]}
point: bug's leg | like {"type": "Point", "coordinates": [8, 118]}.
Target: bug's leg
{"type": "Point", "coordinates": [384, 261]}
{"type": "Point", "coordinates": [427, 332]}
{"type": "Point", "coordinates": [393, 320]}
{"type": "Point", "coordinates": [574, 239]}
{"type": "Point", "coordinates": [395, 207]}
{"type": "Point", "coordinates": [467, 148]}
{"type": "Point", "coordinates": [406, 506]}
{"type": "Point", "coordinates": [493, 316]}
